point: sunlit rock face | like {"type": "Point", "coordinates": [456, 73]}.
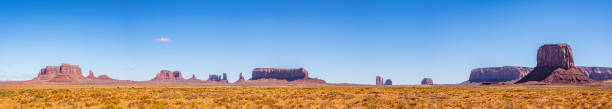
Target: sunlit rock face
{"type": "Point", "coordinates": [555, 65]}
{"type": "Point", "coordinates": [281, 74]}
{"type": "Point", "coordinates": [379, 80]}
{"type": "Point", "coordinates": [63, 73]}
{"type": "Point", "coordinates": [499, 74]}
{"type": "Point", "coordinates": [166, 75]}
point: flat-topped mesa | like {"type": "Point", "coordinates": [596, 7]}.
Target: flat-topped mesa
{"type": "Point", "coordinates": [281, 74]}
{"type": "Point", "coordinates": [63, 73]}
{"type": "Point", "coordinates": [427, 81]}
{"type": "Point", "coordinates": [499, 74]}
{"type": "Point", "coordinates": [596, 73]}
{"type": "Point", "coordinates": [556, 66]}
{"type": "Point", "coordinates": [166, 75]}
{"type": "Point", "coordinates": [379, 80]}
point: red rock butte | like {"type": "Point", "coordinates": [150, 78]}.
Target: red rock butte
{"type": "Point", "coordinates": [427, 81]}
{"type": "Point", "coordinates": [555, 66]}
{"type": "Point", "coordinates": [63, 73]}
{"type": "Point", "coordinates": [166, 75]}
{"type": "Point", "coordinates": [379, 80]}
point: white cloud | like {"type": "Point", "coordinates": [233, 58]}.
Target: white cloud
{"type": "Point", "coordinates": [163, 39]}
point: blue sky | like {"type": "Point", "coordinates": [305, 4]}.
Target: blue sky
{"type": "Point", "coordinates": [340, 41]}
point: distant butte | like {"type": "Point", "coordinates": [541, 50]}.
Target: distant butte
{"type": "Point", "coordinates": [278, 75]}
{"type": "Point", "coordinates": [67, 73]}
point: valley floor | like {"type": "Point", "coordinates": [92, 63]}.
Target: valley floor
{"type": "Point", "coordinates": [143, 96]}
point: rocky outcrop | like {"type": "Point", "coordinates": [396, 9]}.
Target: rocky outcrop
{"type": "Point", "coordinates": [281, 74]}
{"type": "Point", "coordinates": [596, 73]}
{"type": "Point", "coordinates": [91, 75]}
{"type": "Point", "coordinates": [555, 65]}
{"type": "Point", "coordinates": [218, 78]}
{"type": "Point", "coordinates": [214, 77]}
{"type": "Point", "coordinates": [63, 73]}
{"type": "Point", "coordinates": [193, 78]}
{"type": "Point", "coordinates": [105, 78]}
{"type": "Point", "coordinates": [388, 82]}
{"type": "Point", "coordinates": [379, 80]}
{"type": "Point", "coordinates": [499, 74]}
{"type": "Point", "coordinates": [427, 81]}
{"type": "Point", "coordinates": [166, 75]}
{"type": "Point", "coordinates": [240, 79]}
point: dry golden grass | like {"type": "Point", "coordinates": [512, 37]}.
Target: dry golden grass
{"type": "Point", "coordinates": [308, 97]}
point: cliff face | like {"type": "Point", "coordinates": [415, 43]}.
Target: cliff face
{"type": "Point", "coordinates": [596, 73]}
{"type": "Point", "coordinates": [63, 73]}
{"type": "Point", "coordinates": [281, 74]}
{"type": "Point", "coordinates": [499, 74]}
{"type": "Point", "coordinates": [379, 81]}
{"type": "Point", "coordinates": [556, 66]}
{"type": "Point", "coordinates": [493, 73]}
{"type": "Point", "coordinates": [166, 75]}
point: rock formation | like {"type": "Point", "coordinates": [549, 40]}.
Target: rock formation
{"type": "Point", "coordinates": [193, 78]}
{"type": "Point", "coordinates": [555, 65]}
{"type": "Point", "coordinates": [494, 73]}
{"type": "Point", "coordinates": [379, 80]}
{"type": "Point", "coordinates": [388, 82]}
{"type": "Point", "coordinates": [218, 78]}
{"type": "Point", "coordinates": [597, 73]}
{"type": "Point", "coordinates": [166, 75]}
{"type": "Point", "coordinates": [427, 81]}
{"type": "Point", "coordinates": [91, 75]}
{"type": "Point", "coordinates": [240, 79]}
{"type": "Point", "coordinates": [63, 73]}
{"type": "Point", "coordinates": [105, 77]}
{"type": "Point", "coordinates": [214, 77]}
{"type": "Point", "coordinates": [224, 76]}
{"type": "Point", "coordinates": [281, 74]}
{"type": "Point", "coordinates": [299, 75]}
{"type": "Point", "coordinates": [499, 74]}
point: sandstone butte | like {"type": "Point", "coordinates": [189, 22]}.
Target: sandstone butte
{"type": "Point", "coordinates": [240, 79]}
{"type": "Point", "coordinates": [379, 81]}
{"type": "Point", "coordinates": [278, 75]}
{"type": "Point", "coordinates": [67, 73]}
{"type": "Point", "coordinates": [167, 75]}
{"type": "Point", "coordinates": [388, 82]}
{"type": "Point", "coordinates": [427, 81]}
{"type": "Point", "coordinates": [555, 65]}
